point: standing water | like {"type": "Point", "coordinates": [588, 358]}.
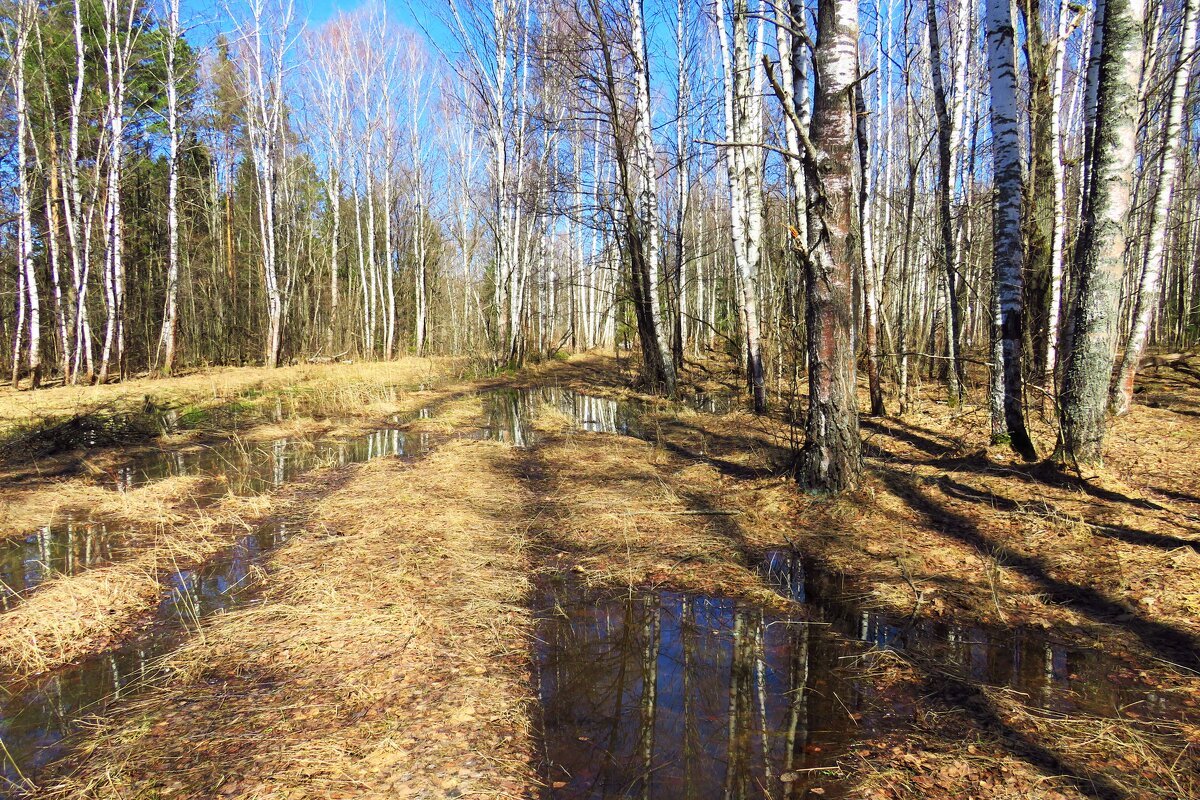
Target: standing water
{"type": "Point", "coordinates": [670, 695]}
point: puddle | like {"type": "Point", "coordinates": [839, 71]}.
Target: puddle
{"type": "Point", "coordinates": [71, 546]}
{"type": "Point", "coordinates": [36, 720]}
{"type": "Point", "coordinates": [254, 468]}
{"type": "Point", "coordinates": [660, 694]}
{"type": "Point", "coordinates": [1048, 673]}
{"type": "Point", "coordinates": [670, 695]}
{"type": "Point", "coordinates": [509, 413]}
{"type": "Point", "coordinates": [64, 548]}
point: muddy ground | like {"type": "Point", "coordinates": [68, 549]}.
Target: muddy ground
{"type": "Point", "coordinates": [526, 584]}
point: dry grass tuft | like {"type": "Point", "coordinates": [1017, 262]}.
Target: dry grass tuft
{"type": "Point", "coordinates": [625, 513]}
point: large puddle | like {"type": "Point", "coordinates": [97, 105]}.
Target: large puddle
{"type": "Point", "coordinates": [70, 546]}
{"type": "Point", "coordinates": [255, 468]}
{"type": "Point", "coordinates": [673, 695]}
{"type": "Point", "coordinates": [668, 695]}
{"type": "Point", "coordinates": [36, 720]}
{"type": "Point", "coordinates": [510, 414]}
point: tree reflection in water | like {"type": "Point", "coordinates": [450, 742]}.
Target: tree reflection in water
{"type": "Point", "coordinates": [668, 695]}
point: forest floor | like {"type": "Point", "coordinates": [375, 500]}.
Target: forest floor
{"type": "Point", "coordinates": [988, 628]}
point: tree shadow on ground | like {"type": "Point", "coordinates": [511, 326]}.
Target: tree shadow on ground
{"type": "Point", "coordinates": [1124, 533]}
{"type": "Point", "coordinates": [1173, 645]}
{"type": "Point", "coordinates": [1044, 473]}
{"type": "Point", "coordinates": [968, 702]}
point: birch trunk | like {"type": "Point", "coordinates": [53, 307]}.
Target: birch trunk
{"type": "Point", "coordinates": [682, 98]}
{"type": "Point", "coordinates": [1008, 252]}
{"type": "Point", "coordinates": [945, 177]}
{"type": "Point", "coordinates": [870, 273]}
{"type": "Point", "coordinates": [1168, 168]}
{"type": "Point", "coordinates": [73, 212]}
{"type": "Point", "coordinates": [744, 164]}
{"type": "Point", "coordinates": [1058, 177]}
{"type": "Point", "coordinates": [171, 312]}
{"type": "Point", "coordinates": [1116, 67]}
{"type": "Point", "coordinates": [660, 366]}
{"type": "Point", "coordinates": [116, 60]}
{"type": "Point", "coordinates": [831, 458]}
{"type": "Point", "coordinates": [26, 12]}
{"type": "Point", "coordinates": [265, 125]}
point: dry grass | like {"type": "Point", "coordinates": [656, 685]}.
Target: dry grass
{"type": "Point", "coordinates": [166, 524]}
{"type": "Point", "coordinates": [985, 537]}
{"type": "Point", "coordinates": [342, 386]}
{"type": "Point", "coordinates": [390, 655]}
{"type": "Point", "coordinates": [25, 508]}
{"type": "Point", "coordinates": [35, 425]}
{"type": "Point", "coordinates": [997, 747]}
{"type": "Point", "coordinates": [624, 513]}
{"type": "Point", "coordinates": [387, 659]}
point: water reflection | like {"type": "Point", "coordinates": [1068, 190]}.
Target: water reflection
{"type": "Point", "coordinates": [668, 695]}
{"type": "Point", "coordinates": [35, 721]}
{"type": "Point", "coordinates": [71, 546]}
{"type": "Point", "coordinates": [256, 468]}
{"type": "Point", "coordinates": [62, 549]}
{"type": "Point", "coordinates": [1050, 673]}
{"type": "Point", "coordinates": [509, 413]}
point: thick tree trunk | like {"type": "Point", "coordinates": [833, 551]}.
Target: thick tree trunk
{"type": "Point", "coordinates": [831, 458]}
{"type": "Point", "coordinates": [659, 366]}
{"type": "Point", "coordinates": [1008, 253]}
{"type": "Point", "coordinates": [1100, 255]}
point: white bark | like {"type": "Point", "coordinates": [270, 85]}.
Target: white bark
{"type": "Point", "coordinates": [265, 33]}
{"type": "Point", "coordinates": [1168, 168]}
{"type": "Point", "coordinates": [25, 13]}
{"type": "Point", "coordinates": [1008, 253]}
{"type": "Point", "coordinates": [744, 123]}
{"type": "Point", "coordinates": [119, 40]}
{"type": "Point", "coordinates": [171, 312]}
{"type": "Point", "coordinates": [648, 191]}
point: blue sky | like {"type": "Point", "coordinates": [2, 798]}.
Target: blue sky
{"type": "Point", "coordinates": [209, 16]}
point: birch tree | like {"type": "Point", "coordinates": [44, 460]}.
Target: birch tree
{"type": "Point", "coordinates": [27, 298]}
{"type": "Point", "coordinates": [1008, 250]}
{"type": "Point", "coordinates": [171, 311]}
{"type": "Point", "coordinates": [328, 59]}
{"type": "Point", "coordinates": [120, 36]}
{"type": "Point", "coordinates": [1116, 67]}
{"type": "Point", "coordinates": [1169, 145]}
{"type": "Point", "coordinates": [744, 166]}
{"type": "Point", "coordinates": [265, 38]}
{"type": "Point", "coordinates": [646, 241]}
{"type": "Point", "coordinates": [831, 457]}
{"type": "Point", "coordinates": [947, 252]}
